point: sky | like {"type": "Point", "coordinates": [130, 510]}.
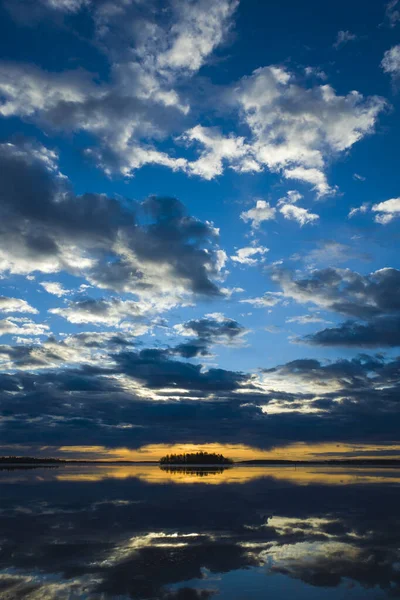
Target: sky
{"type": "Point", "coordinates": [199, 217]}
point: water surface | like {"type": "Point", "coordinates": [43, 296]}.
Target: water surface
{"type": "Point", "coordinates": [250, 533]}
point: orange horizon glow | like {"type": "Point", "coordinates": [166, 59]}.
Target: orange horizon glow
{"type": "Point", "coordinates": [237, 452]}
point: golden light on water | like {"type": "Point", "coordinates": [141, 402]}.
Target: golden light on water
{"type": "Point", "coordinates": [302, 475]}
{"type": "Point", "coordinates": [238, 452]}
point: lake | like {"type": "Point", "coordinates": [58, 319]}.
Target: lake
{"type": "Point", "coordinates": [117, 532]}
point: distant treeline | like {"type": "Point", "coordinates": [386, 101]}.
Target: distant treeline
{"type": "Point", "coordinates": [195, 458]}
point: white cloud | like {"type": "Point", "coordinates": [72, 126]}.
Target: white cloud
{"type": "Point", "coordinates": [268, 299]}
{"type": "Point", "coordinates": [298, 214]}
{"type": "Point", "coordinates": [313, 176]}
{"type": "Point", "coordinates": [315, 72]}
{"type": "Point", "coordinates": [262, 211]}
{"type": "Point", "coordinates": [387, 211]}
{"type": "Point", "coordinates": [114, 312]}
{"type": "Point", "coordinates": [12, 305]}
{"type": "Point", "coordinates": [359, 210]}
{"type": "Point", "coordinates": [343, 37]}
{"type": "Point", "coordinates": [246, 256]}
{"type": "Point", "coordinates": [359, 177]}
{"type": "Point", "coordinates": [295, 213]}
{"type": "Point", "coordinates": [22, 326]}
{"type": "Point", "coordinates": [218, 151]}
{"type": "Point", "coordinates": [292, 196]}
{"type": "Point", "coordinates": [391, 61]}
{"type": "Point", "coordinates": [296, 129]}
{"type": "Point", "coordinates": [306, 319]}
{"type": "Point", "coordinates": [53, 287]}
{"type": "Point", "coordinates": [199, 28]}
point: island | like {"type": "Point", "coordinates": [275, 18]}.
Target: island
{"type": "Point", "coordinates": [195, 458]}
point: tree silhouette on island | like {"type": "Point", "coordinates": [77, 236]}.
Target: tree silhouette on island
{"type": "Point", "coordinates": [195, 458]}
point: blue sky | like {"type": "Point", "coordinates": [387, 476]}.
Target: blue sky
{"type": "Point", "coordinates": [200, 210]}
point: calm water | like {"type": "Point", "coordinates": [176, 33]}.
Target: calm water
{"type": "Point", "coordinates": [245, 533]}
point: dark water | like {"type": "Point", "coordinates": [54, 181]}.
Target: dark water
{"type": "Point", "coordinates": [244, 533]}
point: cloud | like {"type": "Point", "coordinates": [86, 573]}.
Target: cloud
{"type": "Point", "coordinates": [345, 291]}
{"type": "Point", "coordinates": [246, 256]}
{"type": "Point", "coordinates": [171, 401]}
{"type": "Point", "coordinates": [306, 319]}
{"type": "Point", "coordinates": [151, 54]}
{"type": "Point", "coordinates": [330, 252]}
{"type": "Point", "coordinates": [371, 299]}
{"type": "Point", "coordinates": [296, 213]}
{"type": "Point", "coordinates": [344, 37]}
{"type": "Point", "coordinates": [364, 208]}
{"type": "Point", "coordinates": [378, 333]}
{"type": "Point", "coordinates": [295, 129]}
{"type": "Point", "coordinates": [22, 326]}
{"type": "Point", "coordinates": [218, 152]}
{"type": "Point", "coordinates": [208, 331]}
{"type": "Point", "coordinates": [12, 305]}
{"type": "Point", "coordinates": [268, 299]}
{"type": "Point", "coordinates": [198, 29]}
{"type": "Point", "coordinates": [387, 210]}
{"type": "Point", "coordinates": [113, 312]}
{"type": "Point", "coordinates": [55, 288]}
{"type": "Point", "coordinates": [392, 13]}
{"type": "Point", "coordinates": [145, 109]}
{"type": "Point", "coordinates": [139, 248]}
{"type": "Point", "coordinates": [313, 176]}
{"type": "Point", "coordinates": [391, 62]}
{"type": "Point", "coordinates": [260, 213]}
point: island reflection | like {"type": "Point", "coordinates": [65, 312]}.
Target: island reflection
{"type": "Point", "coordinates": [135, 532]}
{"type": "Point", "coordinates": [198, 471]}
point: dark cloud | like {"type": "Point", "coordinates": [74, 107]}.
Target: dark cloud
{"type": "Point", "coordinates": [210, 330]}
{"type": "Point", "coordinates": [118, 245]}
{"type": "Point", "coordinates": [156, 370]}
{"type": "Point", "coordinates": [110, 395]}
{"type": "Point", "coordinates": [377, 333]}
{"type": "Point", "coordinates": [374, 300]}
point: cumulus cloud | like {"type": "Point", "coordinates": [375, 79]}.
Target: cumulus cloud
{"type": "Point", "coordinates": [151, 53]}
{"type": "Point", "coordinates": [22, 326]}
{"type": "Point", "coordinates": [296, 213]}
{"type": "Point", "coordinates": [377, 333]}
{"type": "Point", "coordinates": [250, 255]}
{"type": "Point", "coordinates": [12, 305]}
{"type": "Point", "coordinates": [370, 300]}
{"type": "Point", "coordinates": [218, 151]}
{"type": "Point", "coordinates": [262, 211]}
{"type": "Point", "coordinates": [145, 105]}
{"type": "Point", "coordinates": [391, 62]}
{"type": "Point", "coordinates": [387, 210]}
{"type": "Point", "coordinates": [55, 288]}
{"type": "Point", "coordinates": [112, 312]}
{"type": "Point", "coordinates": [296, 129]}
{"type": "Point", "coordinates": [208, 331]}
{"type": "Point", "coordinates": [135, 248]}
